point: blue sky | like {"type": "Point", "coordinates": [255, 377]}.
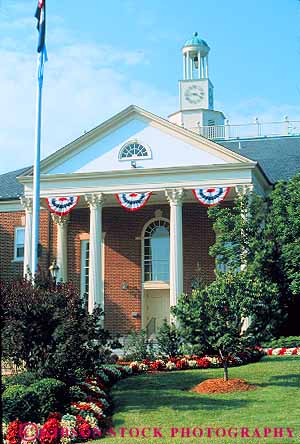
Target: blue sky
{"type": "Point", "coordinates": [104, 56]}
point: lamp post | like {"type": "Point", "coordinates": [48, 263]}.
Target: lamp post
{"type": "Point", "coordinates": [54, 270]}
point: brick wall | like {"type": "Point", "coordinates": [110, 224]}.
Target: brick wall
{"type": "Point", "coordinates": [10, 269]}
{"type": "Point", "coordinates": [122, 253]}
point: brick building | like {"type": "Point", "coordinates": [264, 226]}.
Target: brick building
{"type": "Point", "coordinates": [136, 263]}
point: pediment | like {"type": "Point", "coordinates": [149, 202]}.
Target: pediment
{"type": "Point", "coordinates": [169, 145]}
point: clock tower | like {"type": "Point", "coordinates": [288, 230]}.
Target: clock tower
{"type": "Point", "coordinates": [196, 92]}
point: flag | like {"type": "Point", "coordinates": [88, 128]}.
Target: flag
{"type": "Point", "coordinates": [40, 15]}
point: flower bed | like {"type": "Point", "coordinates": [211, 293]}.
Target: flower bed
{"type": "Point", "coordinates": [195, 362]}
{"type": "Point", "coordinates": [283, 351]}
{"type": "Point", "coordinates": [87, 419]}
{"type": "Point", "coordinates": [89, 414]}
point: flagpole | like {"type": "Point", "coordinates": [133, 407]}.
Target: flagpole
{"type": "Point", "coordinates": [36, 171]}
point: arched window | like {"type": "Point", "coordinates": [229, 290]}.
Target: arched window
{"type": "Point", "coordinates": [134, 150]}
{"type": "Point", "coordinates": [156, 244]}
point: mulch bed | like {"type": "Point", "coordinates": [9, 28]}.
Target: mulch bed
{"type": "Point", "coordinates": [221, 386]}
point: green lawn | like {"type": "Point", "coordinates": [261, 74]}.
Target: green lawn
{"type": "Point", "coordinates": [163, 400]}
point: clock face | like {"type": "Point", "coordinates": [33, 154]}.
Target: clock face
{"type": "Point", "coordinates": [194, 94]}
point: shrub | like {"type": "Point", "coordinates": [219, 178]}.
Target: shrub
{"type": "Point", "coordinates": [168, 340]}
{"type": "Point", "coordinates": [35, 401]}
{"type": "Point", "coordinates": [138, 347]}
{"type": "Point", "coordinates": [20, 402]}
{"type": "Point", "coordinates": [25, 378]}
{"type": "Point", "coordinates": [287, 342]}
{"type": "Point", "coordinates": [48, 327]}
{"type": "Point", "coordinates": [52, 396]}
{"type": "Point", "coordinates": [76, 394]}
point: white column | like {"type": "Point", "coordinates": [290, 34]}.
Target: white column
{"type": "Point", "coordinates": [96, 284]}
{"type": "Point", "coordinates": [191, 67]}
{"type": "Point", "coordinates": [174, 197]}
{"type": "Point", "coordinates": [206, 67]}
{"type": "Point", "coordinates": [199, 65]}
{"type": "Point", "coordinates": [62, 250]}
{"type": "Point", "coordinates": [27, 204]}
{"type": "Point", "coordinates": [187, 62]}
{"type": "Point", "coordinates": [286, 126]}
{"type": "Point", "coordinates": [227, 129]}
{"type": "Point", "coordinates": [183, 65]}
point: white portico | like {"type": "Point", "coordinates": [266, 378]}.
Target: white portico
{"type": "Point", "coordinates": [174, 162]}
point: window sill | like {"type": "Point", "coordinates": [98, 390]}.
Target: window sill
{"type": "Point", "coordinates": [18, 260]}
{"type": "Point", "coordinates": [156, 285]}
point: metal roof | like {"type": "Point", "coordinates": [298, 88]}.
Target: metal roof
{"type": "Point", "coordinates": [10, 188]}
{"type": "Point", "coordinates": [195, 41]}
{"type": "Point", "coordinates": [279, 157]}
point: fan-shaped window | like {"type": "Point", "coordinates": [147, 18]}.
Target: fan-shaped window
{"type": "Point", "coordinates": [134, 151]}
{"type": "Point", "coordinates": [157, 251]}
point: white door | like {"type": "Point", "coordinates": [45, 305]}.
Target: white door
{"type": "Point", "coordinates": [157, 309]}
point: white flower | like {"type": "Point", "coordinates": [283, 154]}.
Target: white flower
{"type": "Point", "coordinates": [92, 421]}
{"type": "Point", "coordinates": [143, 367]}
{"type": "Point", "coordinates": [65, 440]}
{"type": "Point", "coordinates": [289, 351]}
{"type": "Point", "coordinates": [276, 351]}
{"type": "Point", "coordinates": [170, 365]}
{"type": "Point", "coordinates": [96, 409]}
{"type": "Point", "coordinates": [213, 360]}
{"type": "Point", "coordinates": [134, 364]}
{"type": "Point", "coordinates": [68, 421]}
{"type": "Point", "coordinates": [192, 363]}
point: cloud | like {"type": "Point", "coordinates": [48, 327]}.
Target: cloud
{"type": "Point", "coordinates": [84, 84]}
{"type": "Point", "coordinates": [247, 110]}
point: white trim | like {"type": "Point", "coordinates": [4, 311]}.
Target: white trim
{"type": "Point", "coordinates": [11, 206]}
{"type": "Point", "coordinates": [149, 284]}
{"type": "Point", "coordinates": [156, 285]}
{"type": "Point", "coordinates": [119, 119]}
{"type": "Point", "coordinates": [131, 142]}
{"type": "Point", "coordinates": [145, 172]}
{"type": "Point", "coordinates": [17, 258]}
{"type": "Point", "coordinates": [144, 180]}
{"type": "Point", "coordinates": [83, 246]}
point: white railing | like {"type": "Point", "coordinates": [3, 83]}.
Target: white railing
{"type": "Point", "coordinates": [250, 130]}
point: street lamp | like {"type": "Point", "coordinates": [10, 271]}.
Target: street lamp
{"type": "Point", "coordinates": [54, 269]}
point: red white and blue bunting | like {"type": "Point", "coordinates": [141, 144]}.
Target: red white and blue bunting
{"type": "Point", "coordinates": [133, 201]}
{"type": "Point", "coordinates": [62, 205]}
{"type": "Point", "coordinates": [211, 196]}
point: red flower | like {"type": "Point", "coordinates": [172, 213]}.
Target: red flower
{"type": "Point", "coordinates": [182, 364]}
{"type": "Point", "coordinates": [50, 432]}
{"type": "Point", "coordinates": [13, 435]}
{"type": "Point", "coordinates": [282, 351]}
{"type": "Point", "coordinates": [203, 362]}
{"type": "Point", "coordinates": [84, 429]}
{"type": "Point", "coordinates": [157, 365]}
